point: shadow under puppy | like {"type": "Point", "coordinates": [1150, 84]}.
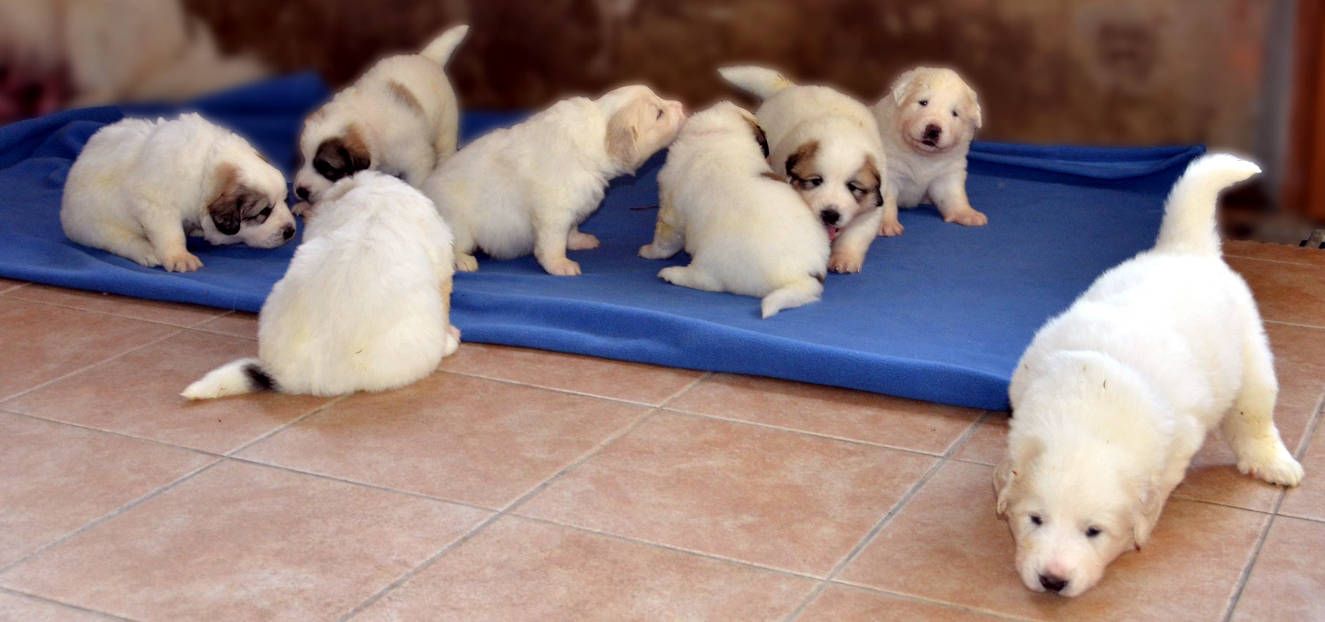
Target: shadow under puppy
{"type": "Point", "coordinates": [746, 230]}
{"type": "Point", "coordinates": [527, 188]}
{"type": "Point", "coordinates": [400, 117]}
{"type": "Point", "coordinates": [1114, 397]}
{"type": "Point", "coordinates": [139, 187]}
{"type": "Point", "coordinates": [365, 304]}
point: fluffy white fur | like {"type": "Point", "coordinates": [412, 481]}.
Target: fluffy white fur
{"type": "Point", "coordinates": [1114, 397]}
{"type": "Point", "coordinates": [139, 186]}
{"type": "Point", "coordinates": [746, 230]}
{"type": "Point", "coordinates": [927, 121]}
{"type": "Point", "coordinates": [527, 188]}
{"type": "Point", "coordinates": [827, 144]}
{"type": "Point", "coordinates": [365, 304]}
{"type": "Point", "coordinates": [401, 118]}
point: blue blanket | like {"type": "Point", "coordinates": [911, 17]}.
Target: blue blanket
{"type": "Point", "coordinates": [941, 313]}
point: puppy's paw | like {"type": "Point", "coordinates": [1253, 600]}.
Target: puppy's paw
{"type": "Point", "coordinates": [465, 263]}
{"type": "Point", "coordinates": [891, 229]}
{"type": "Point", "coordinates": [577, 241]}
{"type": "Point", "coordinates": [1274, 465]}
{"type": "Point", "coordinates": [452, 341]}
{"type": "Point", "coordinates": [846, 262]}
{"type": "Point", "coordinates": [649, 251]}
{"type": "Point", "coordinates": [562, 267]}
{"type": "Point", "coordinates": [183, 261]}
{"type": "Point", "coordinates": [968, 217]}
{"type": "Point", "coordinates": [146, 259]}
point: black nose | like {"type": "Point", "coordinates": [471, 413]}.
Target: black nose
{"type": "Point", "coordinates": [830, 216]}
{"type": "Point", "coordinates": [932, 132]}
{"type": "Point", "coordinates": [1052, 583]}
{"type": "Point", "coordinates": [301, 192]}
{"type": "Point", "coordinates": [287, 232]}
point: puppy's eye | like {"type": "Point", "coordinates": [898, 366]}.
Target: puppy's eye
{"type": "Point", "coordinates": [1092, 532]}
{"type": "Point", "coordinates": [923, 103]}
{"type": "Point", "coordinates": [266, 211]}
{"type": "Point", "coordinates": [809, 184]}
{"type": "Point", "coordinates": [856, 189]}
{"type": "Point", "coordinates": [1036, 520]}
{"type": "Point", "coordinates": [954, 114]}
{"type": "Point", "coordinates": [660, 112]}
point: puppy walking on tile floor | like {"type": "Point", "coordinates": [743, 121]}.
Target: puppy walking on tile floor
{"type": "Point", "coordinates": [1114, 397]}
{"type": "Point", "coordinates": [365, 304]}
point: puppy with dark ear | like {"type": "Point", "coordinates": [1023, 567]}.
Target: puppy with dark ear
{"type": "Point", "coordinates": [400, 117]}
{"type": "Point", "coordinates": [140, 186]}
{"type": "Point", "coordinates": [510, 193]}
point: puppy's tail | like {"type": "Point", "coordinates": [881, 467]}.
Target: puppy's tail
{"type": "Point", "coordinates": [444, 45]}
{"type": "Point", "coordinates": [801, 292]}
{"type": "Point", "coordinates": [1189, 213]}
{"type": "Point", "coordinates": [758, 81]}
{"type": "Point", "coordinates": [235, 378]}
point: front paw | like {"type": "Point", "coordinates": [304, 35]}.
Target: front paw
{"type": "Point", "coordinates": [1274, 465]}
{"type": "Point", "coordinates": [891, 229]}
{"type": "Point", "coordinates": [562, 267]}
{"type": "Point", "coordinates": [183, 261]}
{"type": "Point", "coordinates": [465, 263]}
{"type": "Point", "coordinates": [968, 217]}
{"type": "Point", "coordinates": [581, 241]}
{"type": "Point", "coordinates": [649, 251]}
{"type": "Point", "coordinates": [846, 262]}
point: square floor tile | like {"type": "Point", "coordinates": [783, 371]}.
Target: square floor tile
{"type": "Point", "coordinates": [1288, 579]}
{"type": "Point", "coordinates": [56, 478]}
{"type": "Point", "coordinates": [779, 499]}
{"type": "Point", "coordinates": [583, 374]}
{"type": "Point", "coordinates": [841, 413]}
{"type": "Point", "coordinates": [39, 343]}
{"type": "Point", "coordinates": [236, 324]}
{"type": "Point", "coordinates": [1285, 292]}
{"type": "Point", "coordinates": [947, 545]}
{"type": "Point", "coordinates": [1307, 500]}
{"type": "Point", "coordinates": [138, 394]}
{"type": "Point", "coordinates": [849, 604]}
{"type": "Point", "coordinates": [517, 569]}
{"type": "Point", "coordinates": [138, 309]}
{"type": "Point", "coordinates": [19, 608]}
{"type": "Point", "coordinates": [243, 542]}
{"type": "Point", "coordinates": [455, 437]}
{"type": "Point", "coordinates": [988, 443]}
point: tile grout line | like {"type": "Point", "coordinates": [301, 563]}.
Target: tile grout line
{"type": "Point", "coordinates": [61, 603]}
{"type": "Point", "coordinates": [1283, 261]}
{"type": "Point", "coordinates": [546, 388]}
{"type": "Point", "coordinates": [1296, 324]}
{"type": "Point", "coordinates": [1245, 575]}
{"type": "Point", "coordinates": [220, 312]}
{"type": "Point", "coordinates": [4, 399]}
{"type": "Point", "coordinates": [280, 428]}
{"type": "Point", "coordinates": [124, 435]}
{"type": "Point", "coordinates": [887, 518]}
{"type": "Point", "coordinates": [921, 599]}
{"type": "Point", "coordinates": [504, 511]}
{"type": "Point", "coordinates": [357, 483]}
{"type": "Point", "coordinates": [829, 437]}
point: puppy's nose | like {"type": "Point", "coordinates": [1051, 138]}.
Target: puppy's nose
{"type": "Point", "coordinates": [1053, 583]}
{"type": "Point", "coordinates": [830, 216]}
{"type": "Point", "coordinates": [301, 192]}
{"type": "Point", "coordinates": [932, 132]}
{"type": "Point", "coordinates": [287, 232]}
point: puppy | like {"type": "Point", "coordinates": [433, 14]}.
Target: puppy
{"type": "Point", "coordinates": [1114, 397]}
{"type": "Point", "coordinates": [827, 145]}
{"type": "Point", "coordinates": [140, 186]}
{"type": "Point", "coordinates": [527, 188]}
{"type": "Point", "coordinates": [927, 121]}
{"type": "Point", "coordinates": [365, 304]}
{"type": "Point", "coordinates": [401, 118]}
{"type": "Point", "coordinates": [746, 230]}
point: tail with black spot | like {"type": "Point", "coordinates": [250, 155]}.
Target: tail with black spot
{"type": "Point", "coordinates": [235, 378]}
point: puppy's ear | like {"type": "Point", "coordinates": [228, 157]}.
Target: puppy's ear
{"type": "Point", "coordinates": [902, 85]}
{"type": "Point", "coordinates": [342, 156]}
{"type": "Point", "coordinates": [1146, 508]}
{"type": "Point", "coordinates": [869, 176]}
{"type": "Point", "coordinates": [1010, 473]}
{"type": "Point", "coordinates": [1003, 476]}
{"type": "Point", "coordinates": [623, 136]}
{"type": "Point", "coordinates": [800, 162]}
{"type": "Point", "coordinates": [760, 136]}
{"type": "Point", "coordinates": [226, 210]}
{"type": "Point", "coordinates": [974, 101]}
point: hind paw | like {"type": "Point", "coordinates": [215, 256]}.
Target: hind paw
{"type": "Point", "coordinates": [1275, 466]}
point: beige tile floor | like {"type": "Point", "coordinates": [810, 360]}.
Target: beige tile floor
{"type": "Point", "coordinates": [518, 484]}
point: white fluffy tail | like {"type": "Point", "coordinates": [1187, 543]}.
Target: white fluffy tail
{"type": "Point", "coordinates": [1189, 213]}
{"type": "Point", "coordinates": [235, 378]}
{"type": "Point", "coordinates": [758, 81]}
{"type": "Point", "coordinates": [444, 45]}
{"type": "Point", "coordinates": [802, 292]}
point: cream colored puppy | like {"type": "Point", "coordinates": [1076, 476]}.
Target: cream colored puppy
{"type": "Point", "coordinates": [746, 230]}
{"type": "Point", "coordinates": [139, 187]}
{"type": "Point", "coordinates": [927, 121]}
{"type": "Point", "coordinates": [827, 146]}
{"type": "Point", "coordinates": [1115, 396]}
{"type": "Point", "coordinates": [527, 188]}
{"type": "Point", "coordinates": [401, 118]}
{"type": "Point", "coordinates": [365, 304]}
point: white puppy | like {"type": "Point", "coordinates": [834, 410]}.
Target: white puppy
{"type": "Point", "coordinates": [365, 304]}
{"type": "Point", "coordinates": [746, 230]}
{"type": "Point", "coordinates": [401, 118]}
{"type": "Point", "coordinates": [927, 120]}
{"type": "Point", "coordinates": [139, 186]}
{"type": "Point", "coordinates": [827, 145]}
{"type": "Point", "coordinates": [527, 188]}
{"type": "Point", "coordinates": [1113, 397]}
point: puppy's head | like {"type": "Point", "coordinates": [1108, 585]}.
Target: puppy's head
{"type": "Point", "coordinates": [936, 109]}
{"type": "Point", "coordinates": [247, 203]}
{"type": "Point", "coordinates": [1076, 496]}
{"type": "Point", "coordinates": [838, 178]}
{"type": "Point", "coordinates": [639, 123]}
{"type": "Point", "coordinates": [330, 148]}
{"type": "Point", "coordinates": [726, 118]}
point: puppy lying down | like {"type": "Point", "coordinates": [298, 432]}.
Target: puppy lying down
{"type": "Point", "coordinates": [527, 188]}
{"type": "Point", "coordinates": [139, 187]}
{"type": "Point", "coordinates": [1114, 397]}
{"type": "Point", "coordinates": [746, 230]}
{"type": "Point", "coordinates": [365, 304]}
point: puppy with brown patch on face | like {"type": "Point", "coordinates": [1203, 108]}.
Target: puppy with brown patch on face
{"type": "Point", "coordinates": [139, 187]}
{"type": "Point", "coordinates": [746, 230]}
{"type": "Point", "coordinates": [827, 145]}
{"type": "Point", "coordinates": [401, 117]}
{"type": "Point", "coordinates": [927, 120]}
{"type": "Point", "coordinates": [526, 189]}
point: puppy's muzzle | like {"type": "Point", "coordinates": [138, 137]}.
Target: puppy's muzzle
{"type": "Point", "coordinates": [287, 232]}
{"type": "Point", "coordinates": [302, 193]}
{"type": "Point", "coordinates": [830, 216]}
{"type": "Point", "coordinates": [1053, 583]}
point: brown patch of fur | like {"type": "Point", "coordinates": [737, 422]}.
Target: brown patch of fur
{"type": "Point", "coordinates": [773, 176]}
{"type": "Point", "coordinates": [404, 96]}
{"type": "Point", "coordinates": [800, 165]}
{"type": "Point", "coordinates": [346, 155]}
{"type": "Point", "coordinates": [760, 136]}
{"type": "Point", "coordinates": [234, 201]}
{"type": "Point", "coordinates": [868, 176]}
{"type": "Point", "coordinates": [623, 137]}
